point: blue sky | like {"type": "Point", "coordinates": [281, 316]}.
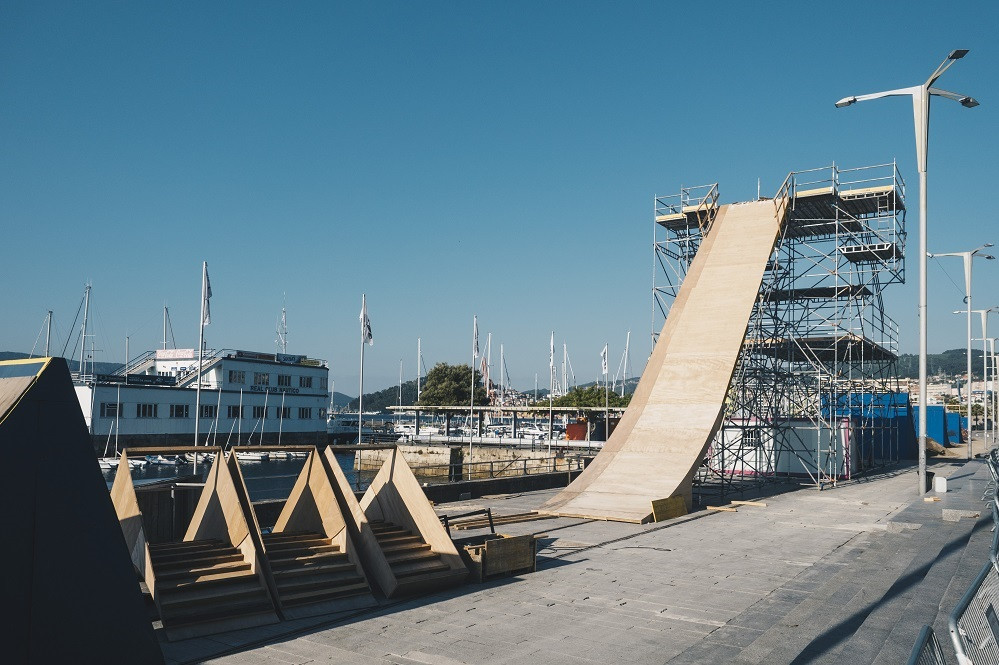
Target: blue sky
{"type": "Point", "coordinates": [448, 159]}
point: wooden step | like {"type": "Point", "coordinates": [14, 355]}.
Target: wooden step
{"type": "Point", "coordinates": [296, 585]}
{"type": "Point", "coordinates": [419, 568]}
{"type": "Point", "coordinates": [313, 546]}
{"type": "Point", "coordinates": [308, 558]}
{"type": "Point", "coordinates": [220, 578]}
{"type": "Point", "coordinates": [184, 573]}
{"type": "Point", "coordinates": [185, 546]}
{"type": "Point", "coordinates": [211, 593]}
{"type": "Point", "coordinates": [405, 547]}
{"type": "Point", "coordinates": [196, 561]}
{"type": "Point", "coordinates": [288, 535]}
{"type": "Point", "coordinates": [187, 553]}
{"type": "Point", "coordinates": [319, 595]}
{"type": "Point", "coordinates": [399, 540]}
{"type": "Point", "coordinates": [407, 557]}
{"type": "Point", "coordinates": [201, 614]}
{"type": "Point", "coordinates": [325, 568]}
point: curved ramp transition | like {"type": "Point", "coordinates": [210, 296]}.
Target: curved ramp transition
{"type": "Point", "coordinates": [678, 404]}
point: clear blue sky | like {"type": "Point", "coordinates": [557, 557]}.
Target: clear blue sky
{"type": "Point", "coordinates": [446, 159]}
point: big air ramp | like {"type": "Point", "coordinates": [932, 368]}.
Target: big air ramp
{"type": "Point", "coordinates": [69, 586]}
{"type": "Point", "coordinates": [678, 404]}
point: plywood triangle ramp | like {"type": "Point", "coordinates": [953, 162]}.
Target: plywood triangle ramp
{"type": "Point", "coordinates": [71, 587]}
{"type": "Point", "coordinates": [678, 405]}
{"type": "Point", "coordinates": [404, 547]}
{"type": "Point", "coordinates": [310, 556]}
{"type": "Point", "coordinates": [213, 580]}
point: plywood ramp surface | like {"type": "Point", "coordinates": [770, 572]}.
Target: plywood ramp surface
{"type": "Point", "coordinates": [677, 406]}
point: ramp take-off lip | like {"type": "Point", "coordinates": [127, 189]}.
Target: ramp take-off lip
{"type": "Point", "coordinates": [679, 402]}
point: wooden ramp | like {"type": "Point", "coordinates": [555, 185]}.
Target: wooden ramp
{"type": "Point", "coordinates": [404, 548]}
{"type": "Point", "coordinates": [71, 591]}
{"type": "Point", "coordinates": [678, 404]}
{"type": "Point", "coordinates": [309, 556]}
{"type": "Point", "coordinates": [213, 580]}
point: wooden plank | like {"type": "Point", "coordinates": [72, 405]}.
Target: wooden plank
{"type": "Point", "coordinates": [758, 504]}
{"type": "Point", "coordinates": [669, 508]}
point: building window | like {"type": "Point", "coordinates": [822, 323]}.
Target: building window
{"type": "Point", "coordinates": [258, 412]}
{"type": "Point", "coordinates": [305, 413]}
{"type": "Point", "coordinates": [322, 413]}
{"type": "Point", "coordinates": [285, 412]}
{"type": "Point", "coordinates": [110, 409]}
{"type": "Point", "coordinates": [261, 379]}
{"type": "Point", "coordinates": [305, 382]}
{"type": "Point", "coordinates": [179, 411]}
{"type": "Point", "coordinates": [209, 410]}
{"type": "Point", "coordinates": [146, 410]}
{"type": "Point", "coordinates": [324, 383]}
{"type": "Point", "coordinates": [751, 437]}
{"type": "Point", "coordinates": [234, 412]}
{"type": "Point", "coordinates": [284, 379]}
{"type": "Point", "coordinates": [237, 376]}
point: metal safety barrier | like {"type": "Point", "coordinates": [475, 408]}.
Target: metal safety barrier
{"type": "Point", "coordinates": [927, 650]}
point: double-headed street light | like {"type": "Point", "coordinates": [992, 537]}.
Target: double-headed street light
{"type": "Point", "coordinates": [968, 259]}
{"type": "Point", "coordinates": [921, 112]}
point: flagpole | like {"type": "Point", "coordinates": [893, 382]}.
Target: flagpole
{"type": "Point", "coordinates": [471, 399]}
{"type": "Point", "coordinates": [360, 399]}
{"type": "Point", "coordinates": [606, 395]}
{"type": "Point", "coordinates": [551, 389]}
{"type": "Point", "coordinates": [201, 347]}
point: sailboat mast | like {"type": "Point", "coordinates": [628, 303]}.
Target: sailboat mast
{"type": "Point", "coordinates": [48, 332]}
{"type": "Point", "coordinates": [419, 368]}
{"type": "Point", "coordinates": [83, 334]}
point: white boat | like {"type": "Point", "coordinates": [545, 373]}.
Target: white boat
{"type": "Point", "coordinates": [160, 460]}
{"type": "Point", "coordinates": [343, 429]}
{"type": "Point", "coordinates": [253, 457]}
{"type": "Point", "coordinates": [107, 463]}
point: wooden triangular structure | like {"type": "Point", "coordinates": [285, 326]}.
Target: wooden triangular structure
{"type": "Point", "coordinates": [310, 560]}
{"type": "Point", "coordinates": [72, 589]}
{"type": "Point", "coordinates": [405, 548]}
{"type": "Point", "coordinates": [212, 581]}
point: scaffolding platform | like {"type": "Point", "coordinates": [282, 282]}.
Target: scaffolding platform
{"type": "Point", "coordinates": [820, 293]}
{"type": "Point", "coordinates": [879, 251]}
{"type": "Point", "coordinates": [826, 349]}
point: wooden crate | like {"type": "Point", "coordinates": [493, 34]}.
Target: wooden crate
{"type": "Point", "coordinates": [498, 554]}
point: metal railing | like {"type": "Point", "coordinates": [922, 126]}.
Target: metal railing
{"type": "Point", "coordinates": [974, 623]}
{"type": "Point", "coordinates": [927, 650]}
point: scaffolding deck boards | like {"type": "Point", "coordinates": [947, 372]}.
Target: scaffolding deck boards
{"type": "Point", "coordinates": [678, 404]}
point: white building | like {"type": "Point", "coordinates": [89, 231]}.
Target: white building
{"type": "Point", "coordinates": [246, 397]}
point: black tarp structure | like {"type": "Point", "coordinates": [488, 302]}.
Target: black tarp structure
{"type": "Point", "coordinates": [71, 593]}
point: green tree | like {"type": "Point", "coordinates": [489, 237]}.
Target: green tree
{"type": "Point", "coordinates": [592, 396]}
{"type": "Point", "coordinates": [448, 385]}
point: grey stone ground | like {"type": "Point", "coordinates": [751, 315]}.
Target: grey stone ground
{"type": "Point", "coordinates": [848, 574]}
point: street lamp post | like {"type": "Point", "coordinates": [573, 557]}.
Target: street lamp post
{"type": "Point", "coordinates": [984, 314]}
{"type": "Point", "coordinates": [968, 261]}
{"type": "Point", "coordinates": [921, 113]}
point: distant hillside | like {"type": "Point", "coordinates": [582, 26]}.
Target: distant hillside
{"type": "Point", "coordinates": [340, 400]}
{"type": "Point", "coordinates": [382, 399]}
{"type": "Point", "coordinates": [948, 363]}
{"type": "Point", "coordinates": [99, 368]}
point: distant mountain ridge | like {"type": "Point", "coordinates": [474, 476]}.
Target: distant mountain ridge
{"type": "Point", "coordinates": [99, 368]}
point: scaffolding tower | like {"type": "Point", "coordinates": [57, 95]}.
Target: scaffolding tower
{"type": "Point", "coordinates": [815, 391]}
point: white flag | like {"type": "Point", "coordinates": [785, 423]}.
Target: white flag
{"type": "Point", "coordinates": [365, 323]}
{"type": "Point", "coordinates": [603, 361]}
{"type": "Point", "coordinates": [475, 335]}
{"type": "Point", "coordinates": [206, 312]}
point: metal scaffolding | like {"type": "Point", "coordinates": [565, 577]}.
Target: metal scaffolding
{"type": "Point", "coordinates": [815, 391]}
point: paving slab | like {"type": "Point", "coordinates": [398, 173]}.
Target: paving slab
{"type": "Point", "coordinates": [758, 585]}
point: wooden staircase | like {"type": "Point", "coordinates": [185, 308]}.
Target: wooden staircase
{"type": "Point", "coordinates": [309, 568]}
{"type": "Point", "coordinates": [204, 581]}
{"type": "Point", "coordinates": [407, 554]}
